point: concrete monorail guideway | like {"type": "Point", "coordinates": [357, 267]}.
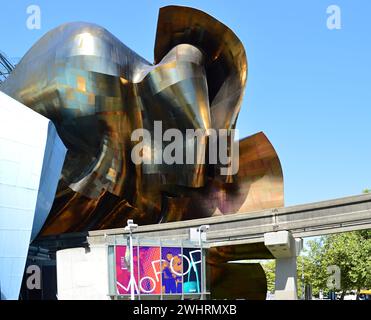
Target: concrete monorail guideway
{"type": "Point", "coordinates": [307, 220]}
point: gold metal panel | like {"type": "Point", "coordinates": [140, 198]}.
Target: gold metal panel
{"type": "Point", "coordinates": [225, 57]}
{"type": "Point", "coordinates": [97, 91]}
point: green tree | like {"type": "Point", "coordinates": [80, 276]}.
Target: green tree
{"type": "Point", "coordinates": [350, 251]}
{"type": "Point", "coordinates": [269, 267]}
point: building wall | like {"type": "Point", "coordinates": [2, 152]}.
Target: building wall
{"type": "Point", "coordinates": [31, 160]}
{"type": "Point", "coordinates": [82, 274]}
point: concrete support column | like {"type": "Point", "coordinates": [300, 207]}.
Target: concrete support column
{"type": "Point", "coordinates": [286, 279]}
{"type": "Point", "coordinates": [285, 248]}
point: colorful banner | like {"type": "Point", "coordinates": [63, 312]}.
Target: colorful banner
{"type": "Point", "coordinates": [191, 270]}
{"type": "Point", "coordinates": [123, 269]}
{"type": "Point", "coordinates": [159, 270]}
{"type": "Point", "coordinates": [172, 270]}
{"type": "Point", "coordinates": [149, 270]}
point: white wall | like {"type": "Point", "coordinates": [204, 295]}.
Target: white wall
{"type": "Point", "coordinates": [83, 275]}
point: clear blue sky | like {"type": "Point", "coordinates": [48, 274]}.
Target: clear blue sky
{"type": "Point", "coordinates": [309, 88]}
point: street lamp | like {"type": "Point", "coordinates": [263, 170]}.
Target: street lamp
{"type": "Point", "coordinates": [200, 230]}
{"type": "Point", "coordinates": [131, 226]}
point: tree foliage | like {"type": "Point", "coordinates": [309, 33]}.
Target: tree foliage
{"type": "Point", "coordinates": [350, 251]}
{"type": "Point", "coordinates": [269, 269]}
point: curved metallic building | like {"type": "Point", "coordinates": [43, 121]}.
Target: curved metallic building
{"type": "Point", "coordinates": [98, 92]}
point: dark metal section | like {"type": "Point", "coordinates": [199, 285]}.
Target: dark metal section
{"type": "Point", "coordinates": [49, 245]}
{"type": "Point", "coordinates": [42, 253]}
{"type": "Point", "coordinates": [251, 283]}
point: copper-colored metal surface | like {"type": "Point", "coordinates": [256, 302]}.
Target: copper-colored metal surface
{"type": "Point", "coordinates": [225, 58]}
{"type": "Point", "coordinates": [258, 184]}
{"type": "Point", "coordinates": [217, 255]}
{"type": "Point", "coordinates": [98, 92]}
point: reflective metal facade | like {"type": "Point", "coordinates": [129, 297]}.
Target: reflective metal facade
{"type": "Point", "coordinates": [97, 91]}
